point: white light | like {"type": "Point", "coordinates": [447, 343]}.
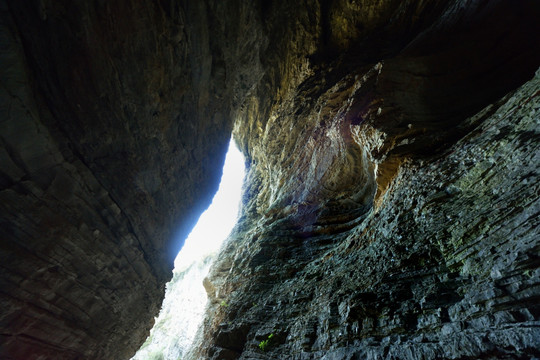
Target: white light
{"type": "Point", "coordinates": [217, 221]}
{"type": "Point", "coordinates": [185, 298]}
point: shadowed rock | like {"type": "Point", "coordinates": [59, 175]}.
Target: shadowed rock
{"type": "Point", "coordinates": [390, 204]}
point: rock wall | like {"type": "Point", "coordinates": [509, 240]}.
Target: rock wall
{"type": "Point", "coordinates": [382, 217]}
{"type": "Point", "coordinates": [115, 119]}
{"type": "Point", "coordinates": [391, 201]}
{"type": "Point", "coordinates": [445, 265]}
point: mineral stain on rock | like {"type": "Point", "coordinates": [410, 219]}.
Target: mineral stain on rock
{"type": "Point", "coordinates": [390, 208]}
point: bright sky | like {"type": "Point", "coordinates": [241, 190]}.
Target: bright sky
{"type": "Point", "coordinates": [217, 221]}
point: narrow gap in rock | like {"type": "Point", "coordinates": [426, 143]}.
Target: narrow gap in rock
{"type": "Point", "coordinates": [185, 297]}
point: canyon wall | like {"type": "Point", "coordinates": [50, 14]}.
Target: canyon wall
{"type": "Point", "coordinates": [114, 126]}
{"type": "Point", "coordinates": [391, 202]}
{"type": "Point", "coordinates": [443, 265]}
{"type": "Point", "coordinates": [391, 198]}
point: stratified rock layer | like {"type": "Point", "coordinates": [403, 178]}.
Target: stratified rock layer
{"type": "Point", "coordinates": [378, 221]}
{"type": "Point", "coordinates": [445, 266]}
{"type": "Point", "coordinates": [382, 218]}
{"type": "Point", "coordinates": [114, 126]}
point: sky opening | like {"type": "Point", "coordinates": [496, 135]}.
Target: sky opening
{"type": "Point", "coordinates": [182, 310]}
{"type": "Point", "coordinates": [217, 221]}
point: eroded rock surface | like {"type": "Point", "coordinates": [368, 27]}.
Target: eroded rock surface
{"type": "Point", "coordinates": [114, 126]}
{"type": "Point", "coordinates": [386, 215]}
{"type": "Point", "coordinates": [382, 218]}
{"type": "Point", "coordinates": [446, 265]}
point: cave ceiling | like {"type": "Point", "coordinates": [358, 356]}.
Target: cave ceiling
{"type": "Point", "coordinates": [391, 197]}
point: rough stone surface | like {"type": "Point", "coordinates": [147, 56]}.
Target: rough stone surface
{"type": "Point", "coordinates": [382, 218]}
{"type": "Point", "coordinates": [115, 118]}
{"type": "Point", "coordinates": [446, 266]}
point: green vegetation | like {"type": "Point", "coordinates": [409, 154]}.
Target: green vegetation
{"type": "Point", "coordinates": [264, 344]}
{"type": "Point", "coordinates": [223, 303]}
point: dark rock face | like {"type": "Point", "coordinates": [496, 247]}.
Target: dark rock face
{"type": "Point", "coordinates": [445, 266]}
{"type": "Point", "coordinates": [386, 215]}
{"type": "Point", "coordinates": [390, 205]}
{"type": "Point", "coordinates": [115, 120]}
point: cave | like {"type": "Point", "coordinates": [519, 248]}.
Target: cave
{"type": "Point", "coordinates": [391, 203]}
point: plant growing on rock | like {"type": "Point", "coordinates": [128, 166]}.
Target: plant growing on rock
{"type": "Point", "coordinates": [264, 344]}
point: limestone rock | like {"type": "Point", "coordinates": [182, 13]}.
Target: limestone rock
{"type": "Point", "coordinates": [445, 266]}
{"type": "Point", "coordinates": [382, 218]}
{"type": "Point", "coordinates": [374, 221]}
{"type": "Point", "coordinates": [115, 118]}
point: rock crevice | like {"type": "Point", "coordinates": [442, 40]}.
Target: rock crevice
{"type": "Point", "coordinates": [391, 197]}
{"type": "Point", "coordinates": [360, 237]}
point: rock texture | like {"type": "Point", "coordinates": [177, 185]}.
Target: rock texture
{"type": "Point", "coordinates": [382, 218]}
{"type": "Point", "coordinates": [180, 315]}
{"type": "Point", "coordinates": [114, 125]}
{"type": "Point", "coordinates": [386, 215]}
{"type": "Point", "coordinates": [444, 266]}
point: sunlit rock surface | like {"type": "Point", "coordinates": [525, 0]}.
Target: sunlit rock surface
{"type": "Point", "coordinates": [444, 265]}
{"type": "Point", "coordinates": [180, 316]}
{"type": "Point", "coordinates": [391, 202]}
{"type": "Point", "coordinates": [392, 198]}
